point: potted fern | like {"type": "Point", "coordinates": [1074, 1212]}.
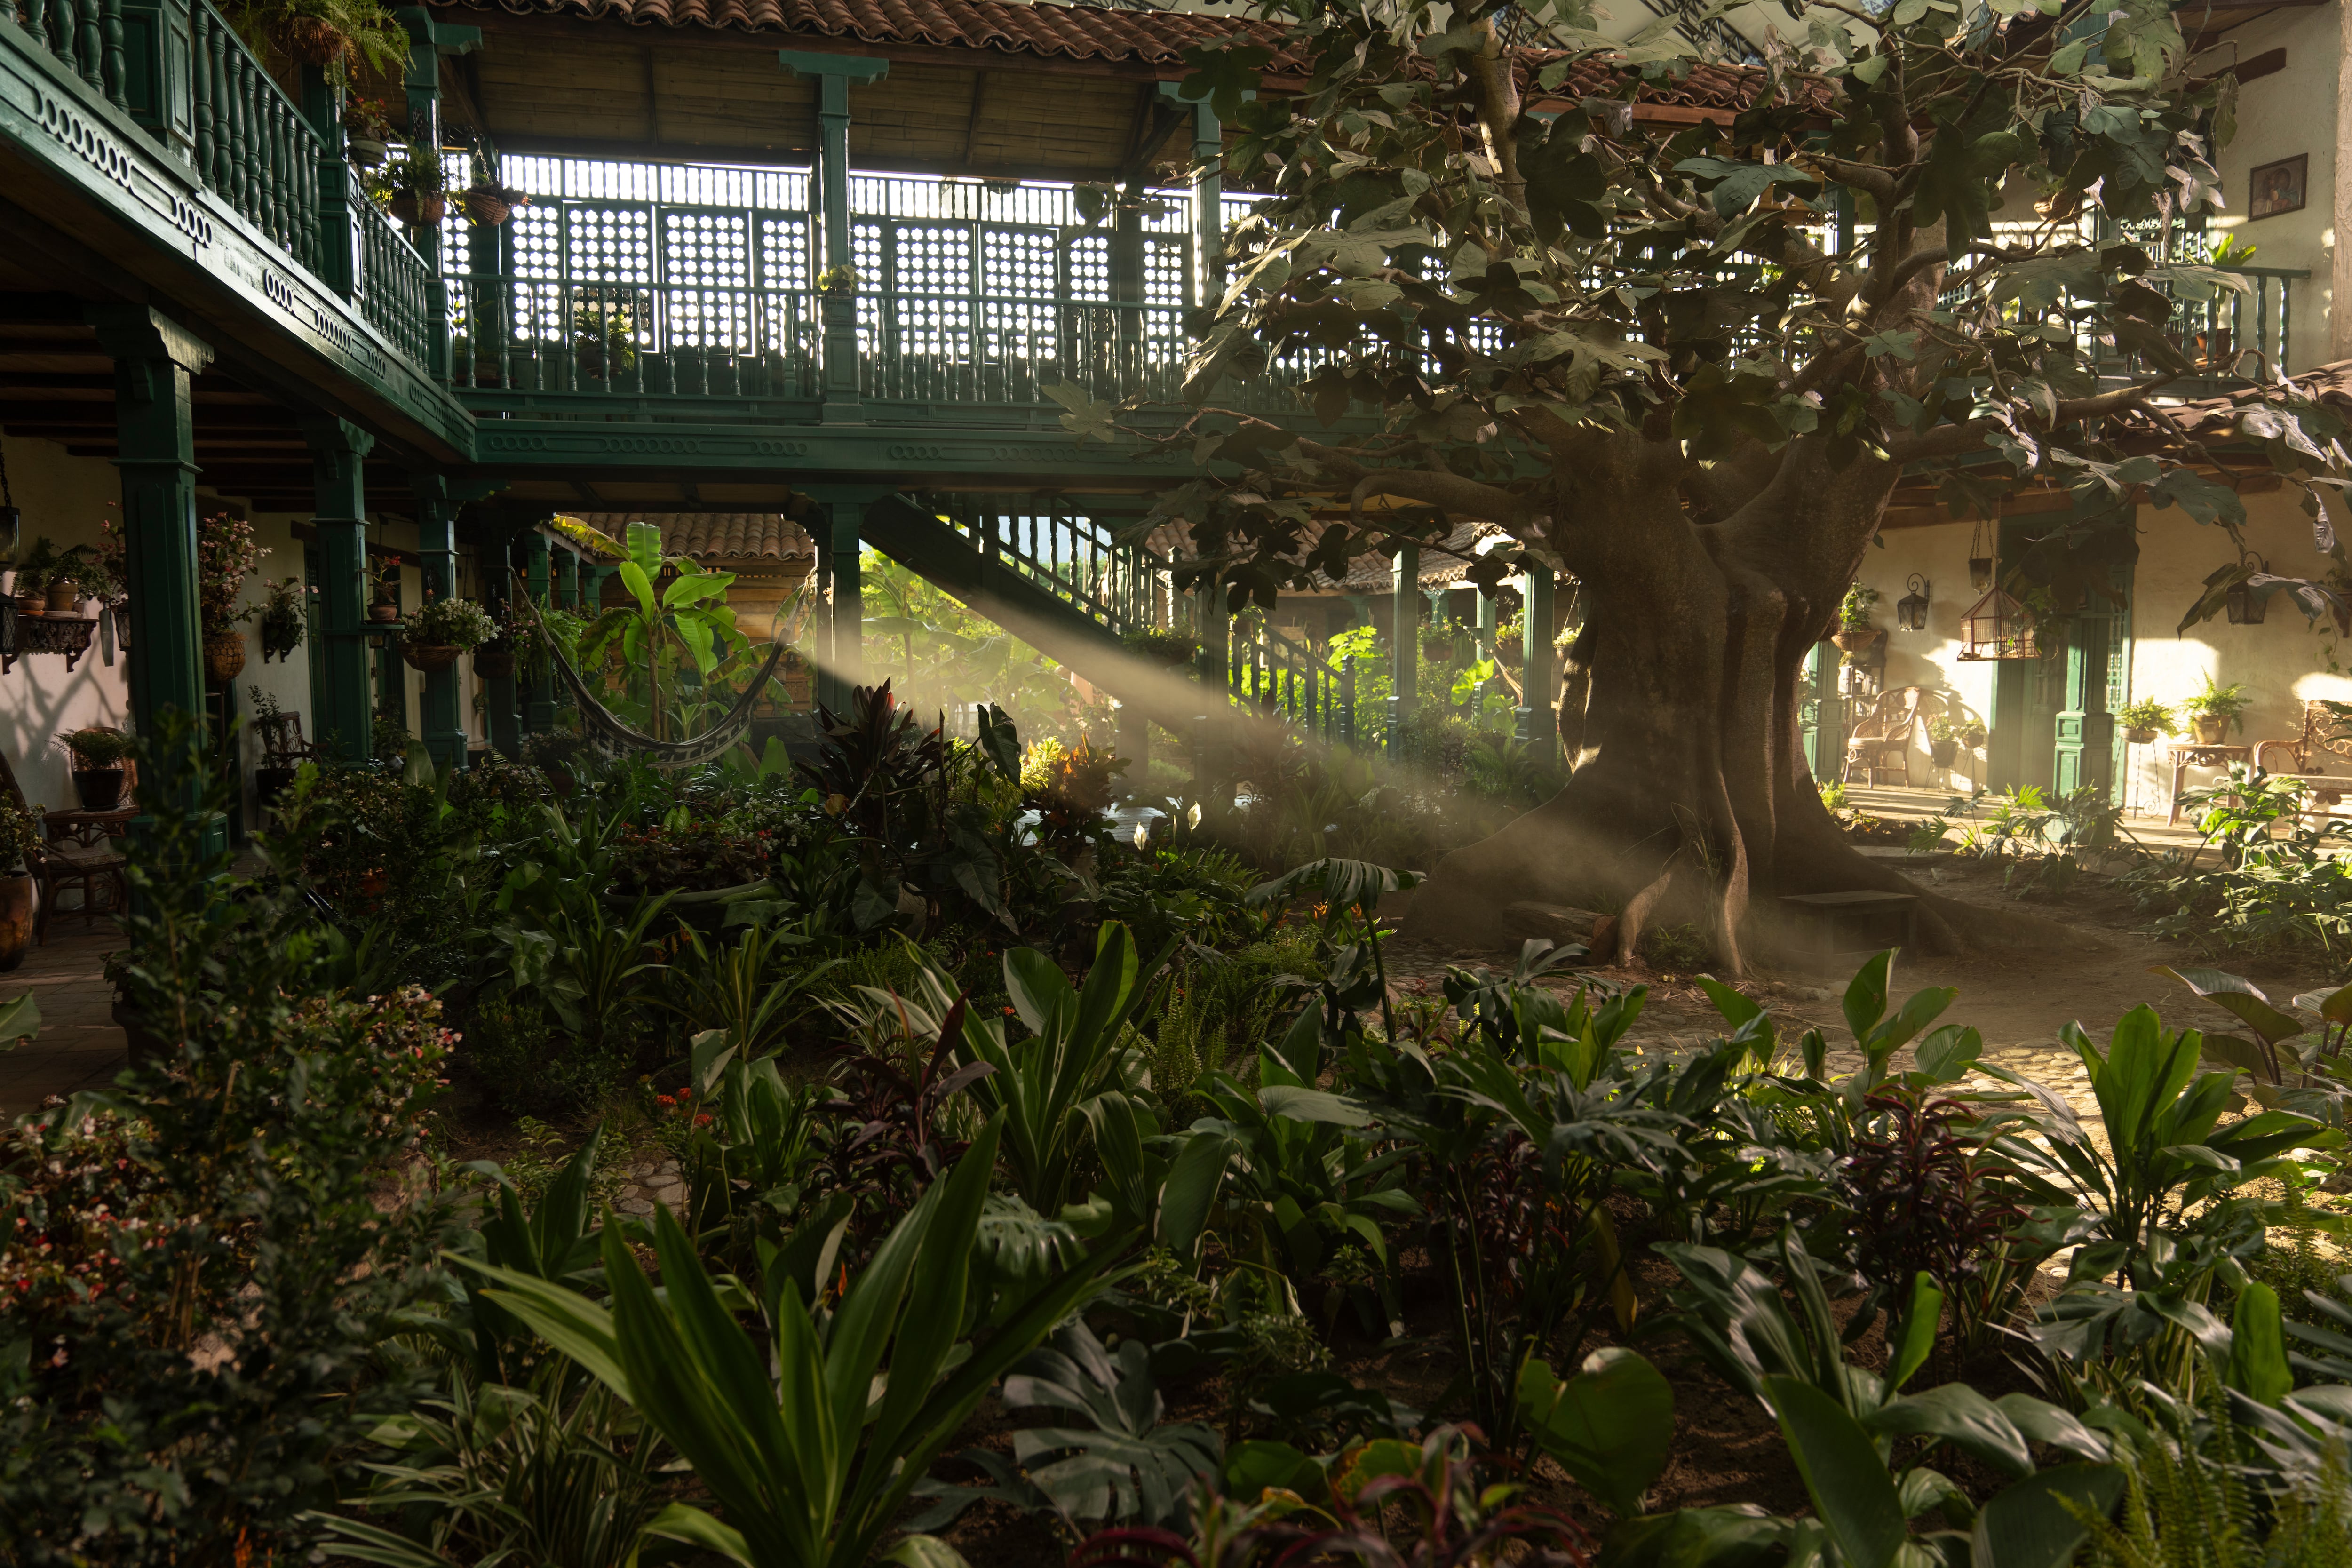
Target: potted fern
{"type": "Point", "coordinates": [420, 189]}
{"type": "Point", "coordinates": [98, 754]}
{"type": "Point", "coordinates": [2144, 719]}
{"type": "Point", "coordinates": [2216, 710]}
{"type": "Point", "coordinates": [1854, 633]}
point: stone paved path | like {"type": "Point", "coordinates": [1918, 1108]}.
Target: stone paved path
{"type": "Point", "coordinates": [80, 1046]}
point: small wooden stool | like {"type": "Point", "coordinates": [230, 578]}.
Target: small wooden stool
{"type": "Point", "coordinates": [1829, 924]}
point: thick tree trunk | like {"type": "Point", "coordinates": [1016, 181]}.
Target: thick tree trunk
{"type": "Point", "coordinates": [1690, 801]}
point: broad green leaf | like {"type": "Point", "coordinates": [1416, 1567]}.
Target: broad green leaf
{"type": "Point", "coordinates": [1611, 1427]}
{"type": "Point", "coordinates": [1737, 1007]}
{"type": "Point", "coordinates": [2258, 1367]}
{"type": "Point", "coordinates": [683, 1521]}
{"type": "Point", "coordinates": [2030, 1525]}
{"type": "Point", "coordinates": [1949, 1054]}
{"type": "Point", "coordinates": [1962, 1416]}
{"type": "Point", "coordinates": [1865, 995]}
{"type": "Point", "coordinates": [645, 552]}
{"type": "Point", "coordinates": [924, 1552]}
{"type": "Point", "coordinates": [2239, 999]}
{"type": "Point", "coordinates": [1192, 1188]}
{"type": "Point", "coordinates": [639, 582]}
{"type": "Point", "coordinates": [1916, 1325]}
{"type": "Point", "coordinates": [1842, 1472]}
{"type": "Point", "coordinates": [1313, 1105]}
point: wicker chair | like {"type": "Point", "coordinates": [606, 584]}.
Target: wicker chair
{"type": "Point", "coordinates": [76, 853]}
{"type": "Point", "coordinates": [1880, 740]}
{"type": "Point", "coordinates": [2324, 736]}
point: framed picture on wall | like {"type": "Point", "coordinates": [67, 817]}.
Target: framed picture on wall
{"type": "Point", "coordinates": [2278, 187]}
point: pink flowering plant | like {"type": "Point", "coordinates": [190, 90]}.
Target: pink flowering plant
{"type": "Point", "coordinates": [227, 557]}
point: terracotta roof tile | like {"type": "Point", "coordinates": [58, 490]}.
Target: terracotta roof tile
{"type": "Point", "coordinates": [714, 536]}
{"type": "Point", "coordinates": [1070, 32]}
{"type": "Point", "coordinates": [1066, 32]}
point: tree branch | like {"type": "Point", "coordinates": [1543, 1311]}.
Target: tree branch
{"type": "Point", "coordinates": [1953, 441]}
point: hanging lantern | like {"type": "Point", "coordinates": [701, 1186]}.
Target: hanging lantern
{"type": "Point", "coordinates": [1911, 609]}
{"type": "Point", "coordinates": [2246, 607]}
{"type": "Point", "coordinates": [1980, 563]}
{"type": "Point", "coordinates": [1998, 626]}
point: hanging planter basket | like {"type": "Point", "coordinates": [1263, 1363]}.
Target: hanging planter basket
{"type": "Point", "coordinates": [366, 152]}
{"type": "Point", "coordinates": [495, 660]}
{"type": "Point", "coordinates": [223, 654]}
{"type": "Point", "coordinates": [1856, 639]}
{"type": "Point", "coordinates": [420, 210]}
{"type": "Point", "coordinates": [431, 658]}
{"type": "Point", "coordinates": [313, 40]}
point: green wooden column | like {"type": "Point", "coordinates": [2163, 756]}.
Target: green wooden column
{"type": "Point", "coordinates": [565, 568]}
{"type": "Point", "coordinates": [436, 542]}
{"type": "Point", "coordinates": [2086, 731]}
{"type": "Point", "coordinates": [1405, 640]}
{"type": "Point", "coordinates": [343, 712]}
{"type": "Point", "coordinates": [500, 719]}
{"type": "Point", "coordinates": [154, 359]}
{"type": "Point", "coordinates": [844, 402]}
{"type": "Point", "coordinates": [538, 696]}
{"type": "Point", "coordinates": [1538, 715]}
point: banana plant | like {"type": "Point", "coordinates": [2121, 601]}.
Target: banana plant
{"type": "Point", "coordinates": [2289, 1064]}
{"type": "Point", "coordinates": [685, 623]}
{"type": "Point", "coordinates": [811, 1442]}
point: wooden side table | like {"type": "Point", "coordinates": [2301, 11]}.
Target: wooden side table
{"type": "Point", "coordinates": [2187, 757]}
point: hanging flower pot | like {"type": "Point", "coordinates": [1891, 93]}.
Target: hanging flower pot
{"type": "Point", "coordinates": [418, 210]}
{"type": "Point", "coordinates": [491, 203]}
{"type": "Point", "coordinates": [313, 40]}
{"type": "Point", "coordinates": [223, 654]}
{"type": "Point", "coordinates": [1435, 649]}
{"type": "Point", "coordinates": [430, 659]}
{"type": "Point", "coordinates": [495, 660]}
{"type": "Point", "coordinates": [366, 152]}
{"type": "Point", "coordinates": [1856, 639]}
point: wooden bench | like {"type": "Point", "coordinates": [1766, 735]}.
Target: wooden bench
{"type": "Point", "coordinates": [1826, 926]}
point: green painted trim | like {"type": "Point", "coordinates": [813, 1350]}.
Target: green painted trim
{"type": "Point", "coordinates": [928, 455]}
{"type": "Point", "coordinates": [69, 132]}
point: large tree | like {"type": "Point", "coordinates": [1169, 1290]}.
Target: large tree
{"type": "Point", "coordinates": [1689, 364]}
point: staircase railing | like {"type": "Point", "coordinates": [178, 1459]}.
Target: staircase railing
{"type": "Point", "coordinates": [1078, 558]}
{"type": "Point", "coordinates": [1273, 675]}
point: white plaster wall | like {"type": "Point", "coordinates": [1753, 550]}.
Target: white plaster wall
{"type": "Point", "coordinates": [2291, 111]}
{"type": "Point", "coordinates": [64, 497]}
{"type": "Point", "coordinates": [2282, 663]}
{"type": "Point", "coordinates": [1931, 657]}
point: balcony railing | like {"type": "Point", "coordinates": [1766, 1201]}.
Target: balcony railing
{"type": "Point", "coordinates": [213, 108]}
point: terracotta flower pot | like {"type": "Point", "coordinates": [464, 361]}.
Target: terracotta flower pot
{"type": "Point", "coordinates": [2139, 737]}
{"type": "Point", "coordinates": [35, 605]}
{"type": "Point", "coordinates": [2212, 729]}
{"type": "Point", "coordinates": [384, 611]}
{"type": "Point", "coordinates": [17, 903]}
{"type": "Point", "coordinates": [429, 658]}
{"type": "Point", "coordinates": [64, 597]}
{"type": "Point", "coordinates": [223, 654]}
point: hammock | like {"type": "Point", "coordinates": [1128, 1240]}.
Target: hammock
{"type": "Point", "coordinates": [611, 740]}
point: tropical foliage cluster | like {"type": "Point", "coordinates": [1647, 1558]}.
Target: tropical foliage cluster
{"type": "Point", "coordinates": [1152, 1152]}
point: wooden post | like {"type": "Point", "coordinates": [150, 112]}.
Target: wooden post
{"type": "Point", "coordinates": [843, 401]}
{"type": "Point", "coordinates": [2086, 731]}
{"type": "Point", "coordinates": [154, 359]}
{"type": "Point", "coordinates": [539, 696]}
{"type": "Point", "coordinates": [1538, 713]}
{"type": "Point", "coordinates": [502, 722]}
{"type": "Point", "coordinates": [1405, 640]}
{"type": "Point", "coordinates": [344, 712]}
{"type": "Point", "coordinates": [436, 542]}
